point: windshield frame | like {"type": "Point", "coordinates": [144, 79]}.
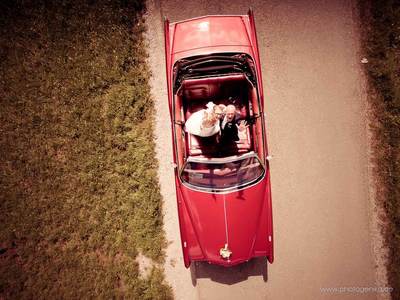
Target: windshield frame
{"type": "Point", "coordinates": [223, 160]}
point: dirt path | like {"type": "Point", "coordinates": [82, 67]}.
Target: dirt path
{"type": "Point", "coordinates": [315, 108]}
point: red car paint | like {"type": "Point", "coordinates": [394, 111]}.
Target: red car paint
{"type": "Point", "coordinates": [239, 219]}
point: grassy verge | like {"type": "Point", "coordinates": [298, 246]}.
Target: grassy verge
{"type": "Point", "coordinates": [79, 196]}
{"type": "Point", "coordinates": [381, 42]}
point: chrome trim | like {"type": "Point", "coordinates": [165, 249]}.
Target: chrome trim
{"type": "Point", "coordinates": [221, 160]}
{"type": "Point", "coordinates": [206, 16]}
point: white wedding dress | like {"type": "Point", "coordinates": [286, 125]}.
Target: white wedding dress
{"type": "Point", "coordinates": [194, 126]}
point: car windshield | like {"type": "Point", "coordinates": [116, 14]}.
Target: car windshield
{"type": "Point", "coordinates": [224, 174]}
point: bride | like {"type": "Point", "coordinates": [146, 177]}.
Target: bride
{"type": "Point", "coordinates": [205, 122]}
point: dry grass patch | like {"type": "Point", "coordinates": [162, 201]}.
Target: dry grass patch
{"type": "Point", "coordinates": [381, 42]}
{"type": "Point", "coordinates": [79, 195]}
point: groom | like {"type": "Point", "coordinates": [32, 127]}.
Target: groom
{"type": "Point", "coordinates": [231, 127]}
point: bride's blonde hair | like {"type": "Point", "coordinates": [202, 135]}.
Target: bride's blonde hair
{"type": "Point", "coordinates": [211, 117]}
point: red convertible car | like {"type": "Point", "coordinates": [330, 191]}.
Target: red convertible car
{"type": "Point", "coordinates": [223, 194]}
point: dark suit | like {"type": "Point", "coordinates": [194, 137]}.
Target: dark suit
{"type": "Point", "coordinates": [229, 137]}
{"type": "Point", "coordinates": [229, 133]}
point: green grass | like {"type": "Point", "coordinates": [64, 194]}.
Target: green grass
{"type": "Point", "coordinates": [381, 43]}
{"type": "Point", "coordinates": [79, 194]}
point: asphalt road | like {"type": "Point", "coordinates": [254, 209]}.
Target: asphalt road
{"type": "Point", "coordinates": [316, 106]}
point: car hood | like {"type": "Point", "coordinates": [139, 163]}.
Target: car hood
{"type": "Point", "coordinates": [231, 218]}
{"type": "Point", "coordinates": [210, 34]}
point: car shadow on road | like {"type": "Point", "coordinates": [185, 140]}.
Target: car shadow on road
{"type": "Point", "coordinates": [230, 275]}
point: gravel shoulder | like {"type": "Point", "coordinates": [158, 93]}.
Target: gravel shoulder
{"type": "Point", "coordinates": [176, 274]}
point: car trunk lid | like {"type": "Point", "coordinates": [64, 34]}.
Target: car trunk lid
{"type": "Point", "coordinates": [210, 32]}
